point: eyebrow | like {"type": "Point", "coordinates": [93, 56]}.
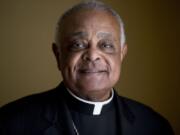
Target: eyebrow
{"type": "Point", "coordinates": [104, 35]}
{"type": "Point", "coordinates": [80, 34]}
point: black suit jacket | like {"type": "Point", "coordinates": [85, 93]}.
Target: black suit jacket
{"type": "Point", "coordinates": [47, 114]}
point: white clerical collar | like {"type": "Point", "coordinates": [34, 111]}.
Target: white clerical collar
{"type": "Point", "coordinates": [97, 105]}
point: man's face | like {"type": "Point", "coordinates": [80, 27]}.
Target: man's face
{"type": "Point", "coordinates": [90, 53]}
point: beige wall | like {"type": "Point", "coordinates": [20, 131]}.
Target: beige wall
{"type": "Point", "coordinates": [150, 72]}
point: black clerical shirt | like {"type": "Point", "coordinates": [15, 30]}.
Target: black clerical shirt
{"type": "Point", "coordinates": [88, 122]}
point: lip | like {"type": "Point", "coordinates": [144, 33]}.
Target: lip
{"type": "Point", "coordinates": [91, 71]}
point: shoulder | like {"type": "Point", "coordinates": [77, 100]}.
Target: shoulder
{"type": "Point", "coordinates": [28, 107]}
{"type": "Point", "coordinates": [137, 108]}
{"type": "Point", "coordinates": [144, 116]}
{"type": "Point", "coordinates": [32, 113]}
{"type": "Point", "coordinates": [29, 101]}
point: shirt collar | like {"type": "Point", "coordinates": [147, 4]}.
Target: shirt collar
{"type": "Point", "coordinates": [97, 105]}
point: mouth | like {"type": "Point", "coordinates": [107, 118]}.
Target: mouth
{"type": "Point", "coordinates": [92, 71]}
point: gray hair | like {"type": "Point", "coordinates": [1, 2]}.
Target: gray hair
{"type": "Point", "coordinates": [96, 5]}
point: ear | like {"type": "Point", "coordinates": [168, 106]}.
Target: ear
{"type": "Point", "coordinates": [56, 52]}
{"type": "Point", "coordinates": [123, 51]}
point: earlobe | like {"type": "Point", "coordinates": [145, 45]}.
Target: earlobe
{"type": "Point", "coordinates": [123, 51]}
{"type": "Point", "coordinates": [55, 49]}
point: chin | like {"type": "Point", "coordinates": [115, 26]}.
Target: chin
{"type": "Point", "coordinates": [93, 87]}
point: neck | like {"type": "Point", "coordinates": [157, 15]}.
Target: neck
{"type": "Point", "coordinates": [94, 96]}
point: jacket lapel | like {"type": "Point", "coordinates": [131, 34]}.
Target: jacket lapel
{"type": "Point", "coordinates": [125, 117]}
{"type": "Point", "coordinates": [58, 115]}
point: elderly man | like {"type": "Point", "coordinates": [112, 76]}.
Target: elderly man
{"type": "Point", "coordinates": [89, 48]}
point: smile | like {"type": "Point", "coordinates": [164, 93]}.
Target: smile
{"type": "Point", "coordinates": [91, 71]}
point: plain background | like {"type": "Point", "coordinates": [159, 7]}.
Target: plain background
{"type": "Point", "coordinates": [150, 72]}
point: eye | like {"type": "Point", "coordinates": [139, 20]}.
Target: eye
{"type": "Point", "coordinates": [107, 47]}
{"type": "Point", "coordinates": [77, 45]}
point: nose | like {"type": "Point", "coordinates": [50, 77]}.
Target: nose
{"type": "Point", "coordinates": [91, 54]}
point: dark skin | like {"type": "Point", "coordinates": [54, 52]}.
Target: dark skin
{"type": "Point", "coordinates": [89, 55]}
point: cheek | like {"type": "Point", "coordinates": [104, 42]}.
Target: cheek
{"type": "Point", "coordinates": [70, 61]}
{"type": "Point", "coordinates": [115, 67]}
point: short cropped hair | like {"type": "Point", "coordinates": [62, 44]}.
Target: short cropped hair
{"type": "Point", "coordinates": [94, 5]}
